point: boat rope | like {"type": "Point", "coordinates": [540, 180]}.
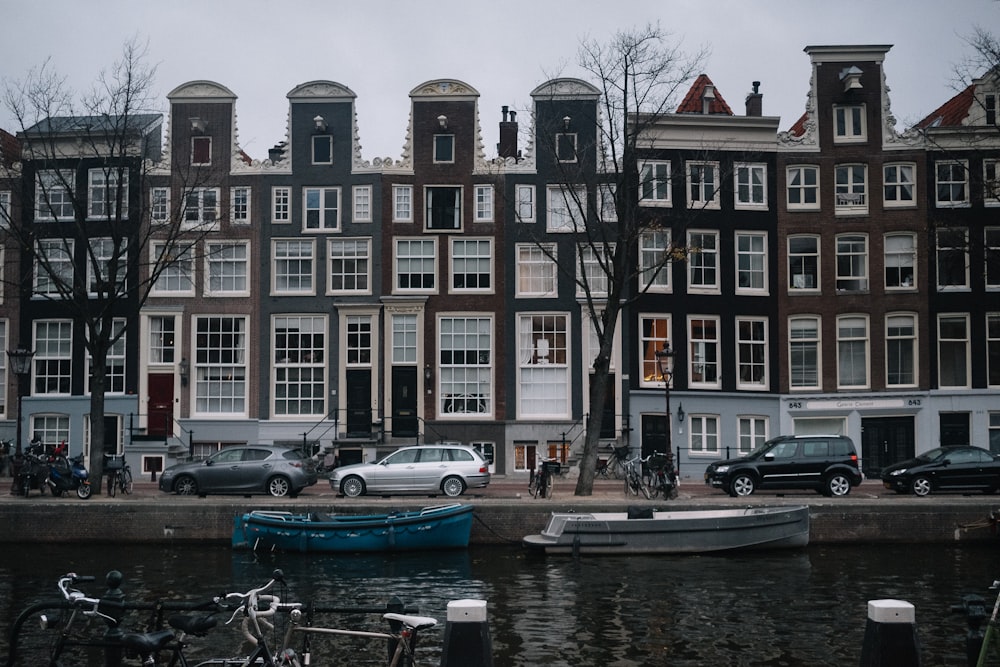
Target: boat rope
{"type": "Point", "coordinates": [495, 534]}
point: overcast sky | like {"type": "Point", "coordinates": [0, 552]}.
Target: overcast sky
{"type": "Point", "coordinates": [382, 49]}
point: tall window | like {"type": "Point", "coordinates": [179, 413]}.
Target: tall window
{"type": "Point", "coordinates": [851, 189]}
{"type": "Point", "coordinates": [484, 203]}
{"type": "Point", "coordinates": [103, 188]}
{"type": "Point", "coordinates": [951, 180]}
{"type": "Point", "coordinates": [952, 258]}
{"type": "Point", "coordinates": [416, 265]}
{"type": "Point", "coordinates": [536, 270]}
{"type": "Point", "coordinates": [991, 182]}
{"type": "Point", "coordinates": [525, 203]}
{"type": "Point", "coordinates": [201, 207]}
{"type": "Point", "coordinates": [566, 147]}
{"type": "Point", "coordinates": [899, 185]}
{"type": "Point", "coordinates": [752, 433]}
{"type": "Point", "coordinates": [299, 372]}
{"type": "Point", "coordinates": [804, 353]}
{"type": "Point", "coordinates": [293, 266]}
{"type": "Point", "coordinates": [444, 148]}
{"type": "Point", "coordinates": [953, 350]}
{"type": "Point", "coordinates": [852, 263]}
{"type": "Point", "coordinates": [281, 205]}
{"type": "Point", "coordinates": [654, 184]}
{"type": "Point", "coordinates": [607, 205]}
{"type": "Point", "coordinates": [751, 261]}
{"type": "Point", "coordinates": [404, 339]}
{"type": "Point", "coordinates": [993, 349]}
{"type": "Point", "coordinates": [322, 149]}
{"type": "Point", "coordinates": [704, 434]}
{"type": "Point", "coordinates": [654, 332]}
{"type": "Point", "coordinates": [803, 263]}
{"type": "Point", "coordinates": [114, 368]}
{"type": "Point", "coordinates": [544, 365]}
{"type": "Point", "coordinates": [159, 204]}
{"type": "Point", "coordinates": [177, 275]}
{"type": "Point", "coordinates": [703, 353]}
{"type": "Point", "coordinates": [849, 123]}
{"type": "Point", "coordinates": [201, 150]}
{"type": "Point", "coordinates": [53, 266]}
{"type": "Point", "coordinates": [220, 365]}
{"type": "Point", "coordinates": [350, 265]}
{"type": "Point", "coordinates": [322, 208]}
{"type": "Point", "coordinates": [751, 186]}
{"type": "Point", "coordinates": [991, 245]}
{"type": "Point", "coordinates": [471, 265]}
{"type": "Point", "coordinates": [50, 428]}
{"type": "Point", "coordinates": [5, 211]}
{"type": "Point", "coordinates": [900, 261]}
{"type": "Point", "coordinates": [444, 208]}
{"type": "Point", "coordinates": [703, 184]}
{"type": "Point", "coordinates": [654, 259]}
{"type": "Point", "coordinates": [362, 203]}
{"type": "Point", "coordinates": [228, 268]}
{"type": "Point", "coordinates": [53, 360]}
{"type": "Point", "coordinates": [803, 187]}
{"type": "Point", "coordinates": [593, 268]}
{"type": "Point", "coordinates": [104, 260]}
{"type": "Point", "coordinates": [239, 205]}
{"type": "Point", "coordinates": [751, 349]}
{"type": "Point", "coordinates": [402, 203]}
{"type": "Point", "coordinates": [466, 366]}
{"type": "Point", "coordinates": [358, 344]}
{"type": "Point", "coordinates": [565, 209]}
{"type": "Point", "coordinates": [162, 339]}
{"type": "Point", "coordinates": [901, 350]}
{"type": "Point", "coordinates": [852, 352]}
{"type": "Point", "coordinates": [703, 262]}
{"type": "Point", "coordinates": [54, 195]}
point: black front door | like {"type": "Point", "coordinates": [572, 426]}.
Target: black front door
{"type": "Point", "coordinates": [884, 441]}
{"type": "Point", "coordinates": [654, 434]}
{"type": "Point", "coordinates": [359, 403]}
{"type": "Point", "coordinates": [404, 402]}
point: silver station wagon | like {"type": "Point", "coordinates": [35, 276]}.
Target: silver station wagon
{"type": "Point", "coordinates": [433, 469]}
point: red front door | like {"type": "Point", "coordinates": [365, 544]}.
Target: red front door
{"type": "Point", "coordinates": [161, 404]}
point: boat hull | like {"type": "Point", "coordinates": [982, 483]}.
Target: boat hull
{"type": "Point", "coordinates": [444, 527]}
{"type": "Point", "coordinates": [673, 532]}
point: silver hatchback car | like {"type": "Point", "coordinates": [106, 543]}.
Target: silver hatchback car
{"type": "Point", "coordinates": [272, 469]}
{"type": "Point", "coordinates": [447, 469]}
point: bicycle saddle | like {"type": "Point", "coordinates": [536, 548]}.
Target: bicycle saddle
{"type": "Point", "coordinates": [415, 622]}
{"type": "Point", "coordinates": [147, 642]}
{"type": "Point", "coordinates": [192, 625]}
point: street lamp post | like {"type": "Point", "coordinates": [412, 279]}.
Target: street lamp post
{"type": "Point", "coordinates": [664, 363]}
{"type": "Point", "coordinates": [20, 365]}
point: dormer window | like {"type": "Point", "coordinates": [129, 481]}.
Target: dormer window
{"type": "Point", "coordinates": [990, 106]}
{"type": "Point", "coordinates": [322, 149]}
{"type": "Point", "coordinates": [201, 150]}
{"type": "Point", "coordinates": [444, 148]}
{"type": "Point", "coordinates": [849, 124]}
{"type": "Point", "coordinates": [566, 147]}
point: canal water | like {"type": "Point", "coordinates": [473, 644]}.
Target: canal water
{"type": "Point", "coordinates": [782, 608]}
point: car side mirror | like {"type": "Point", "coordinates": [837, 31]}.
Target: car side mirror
{"type": "Point", "coordinates": [209, 462]}
{"type": "Point", "coordinates": [768, 457]}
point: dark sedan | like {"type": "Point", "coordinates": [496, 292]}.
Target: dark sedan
{"type": "Point", "coordinates": [962, 468]}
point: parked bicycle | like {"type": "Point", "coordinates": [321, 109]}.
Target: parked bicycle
{"type": "Point", "coordinates": [613, 467]}
{"type": "Point", "coordinates": [119, 474]}
{"type": "Point", "coordinates": [75, 624]}
{"type": "Point", "coordinates": [982, 647]}
{"type": "Point", "coordinates": [541, 482]}
{"type": "Point", "coordinates": [659, 475]}
{"type": "Point", "coordinates": [634, 484]}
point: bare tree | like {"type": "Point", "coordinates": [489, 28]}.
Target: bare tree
{"type": "Point", "coordinates": [638, 74]}
{"type": "Point", "coordinates": [86, 234]}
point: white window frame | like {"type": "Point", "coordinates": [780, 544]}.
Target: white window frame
{"type": "Point", "coordinates": [704, 351]}
{"type": "Point", "coordinates": [221, 373]}
{"type": "Point", "coordinates": [52, 365]}
{"type": "Point", "coordinates": [951, 178]}
{"type": "Point", "coordinates": [350, 261]}
{"type": "Point", "coordinates": [101, 251]}
{"type": "Point", "coordinates": [195, 140]}
{"type": "Point", "coordinates": [281, 204]}
{"type": "Point", "coordinates": [591, 277]}
{"type": "Point", "coordinates": [5, 209]}
{"type": "Point", "coordinates": [566, 141]}
{"type": "Point", "coordinates": [286, 253]}
{"type": "Point", "coordinates": [855, 258]}
{"type": "Point", "coordinates": [207, 212]}
{"type": "Point", "coordinates": [358, 332]}
{"type": "Point", "coordinates": [564, 208]}
{"type": "Point", "coordinates": [427, 263]}
{"type": "Point", "coordinates": [752, 431]}
{"type": "Point", "coordinates": [801, 346]}
{"type": "Point", "coordinates": [655, 265]}
{"type": "Point", "coordinates": [544, 371]}
{"type": "Point", "coordinates": [484, 203]}
{"type": "Point", "coordinates": [438, 157]}
{"type": "Point", "coordinates": [180, 272]}
{"type": "Point", "coordinates": [362, 197]}
{"type": "Point", "coordinates": [313, 144]}
{"type": "Point", "coordinates": [402, 203]}
{"type": "Point", "coordinates": [536, 267]}
{"type": "Point", "coordinates": [850, 124]}
{"type": "Point", "coordinates": [102, 187]}
{"type": "Point", "coordinates": [222, 268]}
{"type": "Point", "coordinates": [850, 189]}
{"type": "Point", "coordinates": [456, 220]}
{"type": "Point", "coordinates": [606, 201]}
{"type": "Point", "coordinates": [473, 368]}
{"type": "Point", "coordinates": [327, 217]}
{"type": "Point", "coordinates": [752, 338]}
{"type": "Point", "coordinates": [797, 282]}
{"type": "Point", "coordinates": [655, 183]}
{"type": "Point", "coordinates": [405, 339]}
{"type": "Point", "coordinates": [899, 185]}
{"type": "Point", "coordinates": [525, 195]}
{"type": "Point", "coordinates": [993, 350]}
{"type": "Point", "coordinates": [900, 261]}
{"type": "Point", "coordinates": [54, 195]}
{"type": "Point", "coordinates": [946, 250]}
{"type": "Point", "coordinates": [750, 186]}
{"type": "Point", "coordinates": [899, 335]}
{"type": "Point", "coordinates": [159, 205]}
{"type": "Point", "coordinates": [654, 332]}
{"type": "Point", "coordinates": [162, 336]}
{"type": "Point", "coordinates": [704, 435]}
{"type": "Point", "coordinates": [849, 339]}
{"type": "Point", "coordinates": [114, 379]}
{"type": "Point", "coordinates": [751, 262]}
{"type": "Point", "coordinates": [958, 344]}
{"type": "Point", "coordinates": [58, 253]}
{"type": "Point", "coordinates": [806, 191]}
{"type": "Point", "coordinates": [240, 204]}
{"type": "Point", "coordinates": [991, 248]}
{"type": "Point", "coordinates": [700, 192]}
{"type": "Point", "coordinates": [703, 261]}
{"type": "Point", "coordinates": [991, 182]}
{"type": "Point", "coordinates": [461, 260]}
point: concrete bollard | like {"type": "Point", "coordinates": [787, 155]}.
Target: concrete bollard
{"type": "Point", "coordinates": [467, 641]}
{"type": "Point", "coordinates": [890, 635]}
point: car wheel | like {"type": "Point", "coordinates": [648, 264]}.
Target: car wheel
{"type": "Point", "coordinates": [921, 486]}
{"type": "Point", "coordinates": [278, 487]}
{"type": "Point", "coordinates": [453, 487]}
{"type": "Point", "coordinates": [742, 485]}
{"type": "Point", "coordinates": [837, 485]}
{"type": "Point", "coordinates": [352, 487]}
{"type": "Point", "coordinates": [186, 486]}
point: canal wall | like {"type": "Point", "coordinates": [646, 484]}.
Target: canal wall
{"type": "Point", "coordinates": [173, 520]}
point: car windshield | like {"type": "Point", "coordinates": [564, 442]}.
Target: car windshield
{"type": "Point", "coordinates": [933, 454]}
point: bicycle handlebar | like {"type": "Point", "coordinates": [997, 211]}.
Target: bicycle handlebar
{"type": "Point", "coordinates": [79, 598]}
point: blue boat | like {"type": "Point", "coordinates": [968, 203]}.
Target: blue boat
{"type": "Point", "coordinates": [439, 527]}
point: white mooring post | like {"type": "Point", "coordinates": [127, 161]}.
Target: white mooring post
{"type": "Point", "coordinates": [890, 635]}
{"type": "Point", "coordinates": [467, 640]}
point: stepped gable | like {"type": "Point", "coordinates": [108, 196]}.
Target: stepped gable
{"type": "Point", "coordinates": [952, 112]}
{"type": "Point", "coordinates": [694, 100]}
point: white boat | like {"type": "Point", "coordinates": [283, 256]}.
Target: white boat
{"type": "Point", "coordinates": [646, 531]}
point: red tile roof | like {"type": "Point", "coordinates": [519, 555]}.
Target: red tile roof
{"type": "Point", "coordinates": [10, 148]}
{"type": "Point", "coordinates": [693, 100]}
{"type": "Point", "coordinates": [952, 112]}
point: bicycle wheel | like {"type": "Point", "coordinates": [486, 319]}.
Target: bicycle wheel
{"type": "Point", "coordinates": [112, 484]}
{"type": "Point", "coordinates": [548, 486]}
{"type": "Point", "coordinates": [535, 485]}
{"type": "Point", "coordinates": [127, 480]}
{"type": "Point", "coordinates": [616, 469]}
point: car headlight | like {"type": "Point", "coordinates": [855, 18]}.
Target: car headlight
{"type": "Point", "coordinates": [897, 472]}
{"type": "Point", "coordinates": [722, 469]}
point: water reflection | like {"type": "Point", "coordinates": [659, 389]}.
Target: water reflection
{"type": "Point", "coordinates": [769, 609]}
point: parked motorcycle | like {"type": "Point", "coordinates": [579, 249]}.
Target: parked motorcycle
{"type": "Point", "coordinates": [67, 475]}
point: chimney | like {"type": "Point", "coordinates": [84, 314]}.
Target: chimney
{"type": "Point", "coordinates": [755, 101]}
{"type": "Point", "coordinates": [507, 147]}
{"type": "Point", "coordinates": [707, 98]}
{"type": "Point", "coordinates": [275, 154]}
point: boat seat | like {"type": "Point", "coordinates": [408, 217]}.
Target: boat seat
{"type": "Point", "coordinates": [320, 518]}
{"type": "Point", "coordinates": [635, 512]}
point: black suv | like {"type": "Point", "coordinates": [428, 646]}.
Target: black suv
{"type": "Point", "coordinates": [826, 463]}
